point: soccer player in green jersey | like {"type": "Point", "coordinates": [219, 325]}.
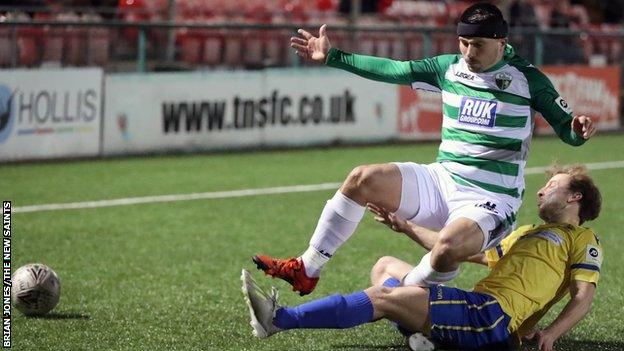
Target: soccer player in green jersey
{"type": "Point", "coordinates": [474, 189]}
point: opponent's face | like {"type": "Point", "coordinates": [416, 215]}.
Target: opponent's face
{"type": "Point", "coordinates": [481, 53]}
{"type": "Point", "coordinates": [555, 197]}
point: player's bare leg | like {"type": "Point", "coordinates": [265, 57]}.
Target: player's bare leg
{"type": "Point", "coordinates": [389, 267]}
{"type": "Point", "coordinates": [408, 306]}
{"type": "Point", "coordinates": [380, 184]}
{"type": "Point", "coordinates": [459, 240]}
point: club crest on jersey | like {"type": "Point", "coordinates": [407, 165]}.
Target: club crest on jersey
{"type": "Point", "coordinates": [477, 112]}
{"type": "Point", "coordinates": [503, 80]}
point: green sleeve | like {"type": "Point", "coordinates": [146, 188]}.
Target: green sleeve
{"type": "Point", "coordinates": [547, 101]}
{"type": "Point", "coordinates": [429, 70]}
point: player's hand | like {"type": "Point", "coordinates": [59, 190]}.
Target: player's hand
{"type": "Point", "coordinates": [583, 126]}
{"type": "Point", "coordinates": [388, 218]}
{"type": "Point", "coordinates": [530, 335]}
{"type": "Point", "coordinates": [545, 340]}
{"type": "Point", "coordinates": [311, 47]}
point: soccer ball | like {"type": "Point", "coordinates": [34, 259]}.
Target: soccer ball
{"type": "Point", "coordinates": [36, 289]}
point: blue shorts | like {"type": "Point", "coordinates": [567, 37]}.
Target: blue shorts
{"type": "Point", "coordinates": [467, 320]}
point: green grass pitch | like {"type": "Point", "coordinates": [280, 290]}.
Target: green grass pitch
{"type": "Point", "coordinates": [165, 276]}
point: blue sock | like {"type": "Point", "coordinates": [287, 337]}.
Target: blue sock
{"type": "Point", "coordinates": [335, 311]}
{"type": "Point", "coordinates": [391, 282]}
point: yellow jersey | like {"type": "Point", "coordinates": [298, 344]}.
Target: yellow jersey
{"type": "Point", "coordinates": [532, 268]}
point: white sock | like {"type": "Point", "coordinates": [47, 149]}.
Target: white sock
{"type": "Point", "coordinates": [338, 221]}
{"type": "Point", "coordinates": [424, 275]}
{"type": "Point", "coordinates": [313, 262]}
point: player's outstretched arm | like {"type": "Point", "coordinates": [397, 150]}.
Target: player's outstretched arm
{"type": "Point", "coordinates": [582, 294]}
{"type": "Point", "coordinates": [310, 47]}
{"type": "Point", "coordinates": [319, 49]}
{"type": "Point", "coordinates": [422, 236]}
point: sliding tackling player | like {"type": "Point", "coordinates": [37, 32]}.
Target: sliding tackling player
{"type": "Point", "coordinates": [531, 270]}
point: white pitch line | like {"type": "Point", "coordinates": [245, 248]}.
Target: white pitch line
{"type": "Point", "coordinates": [236, 193]}
{"type": "Point", "coordinates": [591, 166]}
{"type": "Point", "coordinates": [177, 197]}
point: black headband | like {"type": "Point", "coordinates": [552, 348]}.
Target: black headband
{"type": "Point", "coordinates": [494, 31]}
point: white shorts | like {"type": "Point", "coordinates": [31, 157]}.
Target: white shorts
{"type": "Point", "coordinates": [432, 199]}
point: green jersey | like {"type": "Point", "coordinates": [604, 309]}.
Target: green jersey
{"type": "Point", "coordinates": [487, 116]}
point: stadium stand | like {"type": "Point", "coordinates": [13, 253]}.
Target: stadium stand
{"type": "Point", "coordinates": [255, 48]}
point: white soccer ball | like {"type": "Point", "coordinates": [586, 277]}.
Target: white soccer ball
{"type": "Point", "coordinates": [36, 289]}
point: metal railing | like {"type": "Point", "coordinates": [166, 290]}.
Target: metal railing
{"type": "Point", "coordinates": [141, 46]}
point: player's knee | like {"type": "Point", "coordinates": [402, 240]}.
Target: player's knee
{"type": "Point", "coordinates": [359, 180]}
{"type": "Point", "coordinates": [382, 264]}
{"type": "Point", "coordinates": [380, 269]}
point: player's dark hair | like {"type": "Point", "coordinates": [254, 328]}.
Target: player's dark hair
{"type": "Point", "coordinates": [581, 182]}
{"type": "Point", "coordinates": [482, 13]}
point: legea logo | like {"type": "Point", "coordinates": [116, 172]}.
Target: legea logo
{"type": "Point", "coordinates": [477, 112]}
{"type": "Point", "coordinates": [6, 112]}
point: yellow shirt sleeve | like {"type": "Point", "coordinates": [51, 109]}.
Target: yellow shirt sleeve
{"type": "Point", "coordinates": [586, 257]}
{"type": "Point", "coordinates": [494, 254]}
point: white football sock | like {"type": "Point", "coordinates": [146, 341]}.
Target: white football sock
{"type": "Point", "coordinates": [424, 275]}
{"type": "Point", "coordinates": [338, 221]}
{"type": "Point", "coordinates": [313, 262]}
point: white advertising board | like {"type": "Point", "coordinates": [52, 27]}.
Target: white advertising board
{"type": "Point", "coordinates": [50, 113]}
{"type": "Point", "coordinates": [229, 110]}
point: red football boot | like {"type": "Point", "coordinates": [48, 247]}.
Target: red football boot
{"type": "Point", "coordinates": [290, 270]}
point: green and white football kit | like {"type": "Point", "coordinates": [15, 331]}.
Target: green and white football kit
{"type": "Point", "coordinates": [488, 120]}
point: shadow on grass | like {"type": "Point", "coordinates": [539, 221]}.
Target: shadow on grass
{"type": "Point", "coordinates": [364, 347]}
{"type": "Point", "coordinates": [578, 345]}
{"type": "Point", "coordinates": [63, 315]}
{"type": "Point", "coordinates": [562, 345]}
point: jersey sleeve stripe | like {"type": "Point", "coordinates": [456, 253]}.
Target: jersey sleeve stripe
{"type": "Point", "coordinates": [500, 121]}
{"type": "Point", "coordinates": [499, 251]}
{"type": "Point", "coordinates": [590, 267]}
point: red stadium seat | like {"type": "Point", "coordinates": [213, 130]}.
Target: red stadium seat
{"type": "Point", "coordinates": [233, 49]}
{"type": "Point", "coordinates": [275, 45]}
{"type": "Point", "coordinates": [28, 43]}
{"type": "Point", "coordinates": [52, 49]}
{"type": "Point", "coordinates": [253, 48]}
{"type": "Point", "coordinates": [74, 42]}
{"type": "Point", "coordinates": [6, 48]}
{"type": "Point", "coordinates": [132, 11]}
{"type": "Point", "coordinates": [212, 48]}
{"type": "Point", "coordinates": [98, 39]}
{"type": "Point", "coordinates": [415, 45]}
{"type": "Point", "coordinates": [610, 47]}
{"type": "Point", "coordinates": [189, 45]}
